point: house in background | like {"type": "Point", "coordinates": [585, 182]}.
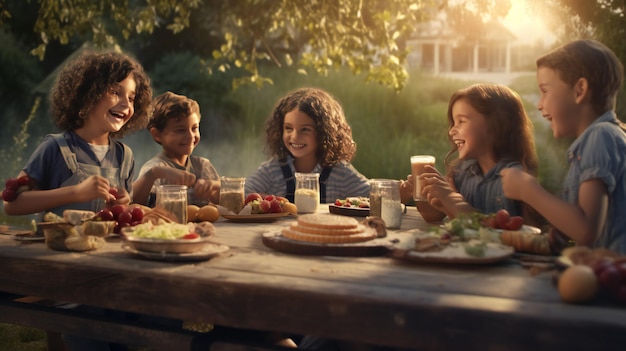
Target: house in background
{"type": "Point", "coordinates": [437, 48]}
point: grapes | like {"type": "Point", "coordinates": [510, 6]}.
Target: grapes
{"type": "Point", "coordinates": [117, 210]}
{"type": "Point", "coordinates": [136, 214]}
{"type": "Point", "coordinates": [8, 195]}
{"type": "Point", "coordinates": [124, 218]}
{"type": "Point", "coordinates": [105, 214]}
{"type": "Point", "coordinates": [11, 184]}
{"type": "Point", "coordinates": [114, 192]}
{"type": "Point", "coordinates": [612, 277]}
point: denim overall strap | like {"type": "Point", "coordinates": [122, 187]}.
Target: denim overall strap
{"type": "Point", "coordinates": [289, 179]}
{"type": "Point", "coordinates": [323, 176]}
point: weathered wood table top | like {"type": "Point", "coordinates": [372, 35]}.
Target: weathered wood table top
{"type": "Point", "coordinates": [376, 300]}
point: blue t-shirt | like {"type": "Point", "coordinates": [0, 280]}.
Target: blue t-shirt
{"type": "Point", "coordinates": [484, 192]}
{"type": "Point", "coordinates": [600, 153]}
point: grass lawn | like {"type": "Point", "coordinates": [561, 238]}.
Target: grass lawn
{"type": "Point", "coordinates": [18, 338]}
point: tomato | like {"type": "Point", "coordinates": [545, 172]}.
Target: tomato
{"type": "Point", "coordinates": [253, 197]}
{"type": "Point", "coordinates": [490, 222]}
{"type": "Point", "coordinates": [502, 218]}
{"type": "Point", "coordinates": [191, 236]}
{"type": "Point", "coordinates": [515, 223]}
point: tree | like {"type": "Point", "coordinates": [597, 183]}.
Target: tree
{"type": "Point", "coordinates": [364, 35]}
{"type": "Point", "coordinates": [603, 20]}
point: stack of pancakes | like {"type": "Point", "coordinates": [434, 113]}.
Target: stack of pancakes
{"type": "Point", "coordinates": [329, 228]}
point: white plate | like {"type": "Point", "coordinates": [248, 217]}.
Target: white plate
{"type": "Point", "coordinates": [209, 251]}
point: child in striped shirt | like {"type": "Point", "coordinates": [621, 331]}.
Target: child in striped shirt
{"type": "Point", "coordinates": [308, 133]}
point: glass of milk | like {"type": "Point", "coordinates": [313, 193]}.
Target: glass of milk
{"type": "Point", "coordinates": [390, 203]}
{"type": "Point", "coordinates": [307, 194]}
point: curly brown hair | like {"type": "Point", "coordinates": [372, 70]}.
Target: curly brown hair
{"type": "Point", "coordinates": [509, 128]}
{"type": "Point", "coordinates": [334, 135]}
{"type": "Point", "coordinates": [83, 82]}
{"type": "Point", "coordinates": [171, 106]}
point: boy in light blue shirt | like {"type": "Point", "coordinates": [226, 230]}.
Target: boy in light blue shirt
{"type": "Point", "coordinates": [579, 82]}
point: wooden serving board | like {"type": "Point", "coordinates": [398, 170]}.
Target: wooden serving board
{"type": "Point", "coordinates": [376, 247]}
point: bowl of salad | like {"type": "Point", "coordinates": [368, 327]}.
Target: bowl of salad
{"type": "Point", "coordinates": [167, 237]}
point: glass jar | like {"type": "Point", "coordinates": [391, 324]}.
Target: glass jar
{"type": "Point", "coordinates": [390, 203]}
{"type": "Point", "coordinates": [375, 195]}
{"type": "Point", "coordinates": [173, 198]}
{"type": "Point", "coordinates": [307, 194]}
{"type": "Point", "coordinates": [232, 193]}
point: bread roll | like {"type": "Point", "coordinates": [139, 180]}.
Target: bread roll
{"type": "Point", "coordinates": [526, 242]}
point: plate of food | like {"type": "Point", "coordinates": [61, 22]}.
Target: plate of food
{"type": "Point", "coordinates": [328, 234]}
{"type": "Point", "coordinates": [207, 251]}
{"type": "Point", "coordinates": [471, 252]}
{"type": "Point", "coordinates": [169, 238]}
{"type": "Point", "coordinates": [467, 239]}
{"type": "Point", "coordinates": [255, 218]}
{"type": "Point", "coordinates": [351, 206]}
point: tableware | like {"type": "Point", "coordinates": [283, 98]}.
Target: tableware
{"type": "Point", "coordinates": [209, 251]}
{"type": "Point", "coordinates": [375, 184]}
{"type": "Point", "coordinates": [307, 193]}
{"type": "Point", "coordinates": [232, 193]}
{"type": "Point", "coordinates": [256, 218]}
{"type": "Point", "coordinates": [349, 211]}
{"type": "Point", "coordinates": [173, 198]}
{"type": "Point", "coordinates": [418, 162]}
{"type": "Point", "coordinates": [166, 245]}
{"type": "Point", "coordinates": [390, 204]}
{"type": "Point", "coordinates": [28, 236]}
{"type": "Point", "coordinates": [455, 254]}
{"type": "Point", "coordinates": [374, 247]}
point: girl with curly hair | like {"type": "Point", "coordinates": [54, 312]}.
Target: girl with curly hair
{"type": "Point", "coordinates": [97, 98]}
{"type": "Point", "coordinates": [308, 133]}
{"type": "Point", "coordinates": [489, 131]}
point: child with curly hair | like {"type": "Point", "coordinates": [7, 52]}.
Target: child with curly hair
{"type": "Point", "coordinates": [489, 131]}
{"type": "Point", "coordinates": [97, 98]}
{"type": "Point", "coordinates": [308, 133]}
{"type": "Point", "coordinates": [579, 83]}
{"type": "Point", "coordinates": [175, 125]}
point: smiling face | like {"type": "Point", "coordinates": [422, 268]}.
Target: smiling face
{"type": "Point", "coordinates": [557, 103]}
{"type": "Point", "coordinates": [469, 132]}
{"type": "Point", "coordinates": [179, 137]}
{"type": "Point", "coordinates": [300, 135]}
{"type": "Point", "coordinates": [114, 109]}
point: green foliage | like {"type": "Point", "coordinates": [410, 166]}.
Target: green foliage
{"type": "Point", "coordinates": [603, 20]}
{"type": "Point", "coordinates": [366, 36]}
{"type": "Point", "coordinates": [107, 21]}
{"type": "Point", "coordinates": [186, 74]}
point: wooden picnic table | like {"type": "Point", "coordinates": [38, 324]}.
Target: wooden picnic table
{"type": "Point", "coordinates": [374, 300]}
